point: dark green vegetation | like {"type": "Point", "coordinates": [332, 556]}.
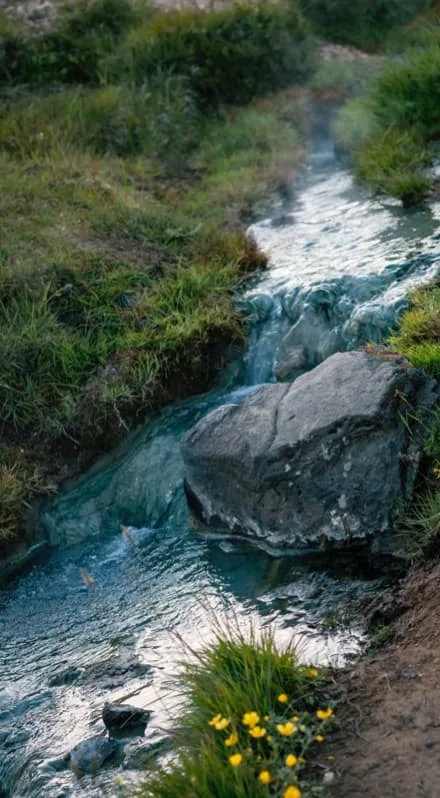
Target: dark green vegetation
{"type": "Point", "coordinates": [418, 339]}
{"type": "Point", "coordinates": [229, 55]}
{"type": "Point", "coordinates": [250, 710]}
{"type": "Point", "coordinates": [393, 131]}
{"type": "Point", "coordinates": [122, 202]}
{"type": "Point", "coordinates": [360, 23]}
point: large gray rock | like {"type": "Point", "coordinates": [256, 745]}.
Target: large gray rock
{"type": "Point", "coordinates": [331, 457]}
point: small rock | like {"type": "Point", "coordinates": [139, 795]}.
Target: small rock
{"type": "Point", "coordinates": [124, 716]}
{"type": "Point", "coordinates": [67, 676]}
{"type": "Point", "coordinates": [90, 755]}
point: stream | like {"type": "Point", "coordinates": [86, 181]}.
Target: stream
{"type": "Point", "coordinates": [341, 264]}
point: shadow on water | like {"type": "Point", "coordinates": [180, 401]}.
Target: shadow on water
{"type": "Point", "coordinates": [341, 265]}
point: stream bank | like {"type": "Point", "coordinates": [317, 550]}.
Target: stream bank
{"type": "Point", "coordinates": [389, 734]}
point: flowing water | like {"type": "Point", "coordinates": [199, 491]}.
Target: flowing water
{"type": "Point", "coordinates": [341, 264]}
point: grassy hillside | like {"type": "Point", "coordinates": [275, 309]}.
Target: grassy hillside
{"type": "Point", "coordinates": [129, 161]}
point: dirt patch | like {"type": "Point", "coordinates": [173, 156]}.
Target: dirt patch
{"type": "Point", "coordinates": [389, 742]}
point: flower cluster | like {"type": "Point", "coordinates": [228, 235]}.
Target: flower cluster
{"type": "Point", "coordinates": [272, 746]}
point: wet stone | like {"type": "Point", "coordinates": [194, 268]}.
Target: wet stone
{"type": "Point", "coordinates": [90, 755]}
{"type": "Point", "coordinates": [124, 716]}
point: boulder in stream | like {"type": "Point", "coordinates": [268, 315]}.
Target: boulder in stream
{"type": "Point", "coordinates": [331, 458]}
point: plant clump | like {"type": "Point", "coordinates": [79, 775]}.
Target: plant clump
{"type": "Point", "coordinates": [418, 339]}
{"type": "Point", "coordinates": [364, 23]}
{"type": "Point", "coordinates": [391, 132]}
{"type": "Point", "coordinates": [254, 716]}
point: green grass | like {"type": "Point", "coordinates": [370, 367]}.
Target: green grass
{"type": "Point", "coordinates": [364, 23]}
{"type": "Point", "coordinates": [391, 132]}
{"type": "Point", "coordinates": [229, 678]}
{"type": "Point", "coordinates": [382, 635]}
{"type": "Point", "coordinates": [119, 257]}
{"type": "Point", "coordinates": [418, 339]}
{"type": "Point", "coordinates": [229, 55]}
{"type": "Point", "coordinates": [72, 51]}
{"type": "Point", "coordinates": [395, 162]}
{"type": "Point", "coordinates": [420, 534]}
{"type": "Point", "coordinates": [124, 201]}
{"type": "Point", "coordinates": [404, 96]}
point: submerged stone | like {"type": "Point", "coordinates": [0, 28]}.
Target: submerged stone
{"type": "Point", "coordinates": [90, 755]}
{"type": "Point", "coordinates": [330, 458]}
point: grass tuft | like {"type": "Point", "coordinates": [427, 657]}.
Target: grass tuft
{"type": "Point", "coordinates": [395, 162]}
{"type": "Point", "coordinates": [249, 705]}
{"type": "Point", "coordinates": [391, 131]}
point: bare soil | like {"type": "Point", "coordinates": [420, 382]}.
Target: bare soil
{"type": "Point", "coordinates": [388, 744]}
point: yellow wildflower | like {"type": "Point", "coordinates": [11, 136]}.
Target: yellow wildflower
{"type": "Point", "coordinates": [257, 732]}
{"type": "Point", "coordinates": [319, 738]}
{"type": "Point", "coordinates": [265, 777]}
{"type": "Point", "coordinates": [313, 672]}
{"type": "Point", "coordinates": [214, 720]}
{"type": "Point", "coordinates": [295, 719]}
{"type": "Point", "coordinates": [235, 760]}
{"type": "Point", "coordinates": [324, 714]}
{"type": "Point", "coordinates": [292, 792]}
{"type": "Point", "coordinates": [282, 698]}
{"type": "Point", "coordinates": [221, 724]}
{"type": "Point", "coordinates": [232, 739]}
{"type": "Point", "coordinates": [269, 738]}
{"type": "Point", "coordinates": [286, 729]}
{"type": "Point", "coordinates": [266, 718]}
{"type": "Point", "coordinates": [251, 718]}
{"type": "Point", "coordinates": [291, 760]}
